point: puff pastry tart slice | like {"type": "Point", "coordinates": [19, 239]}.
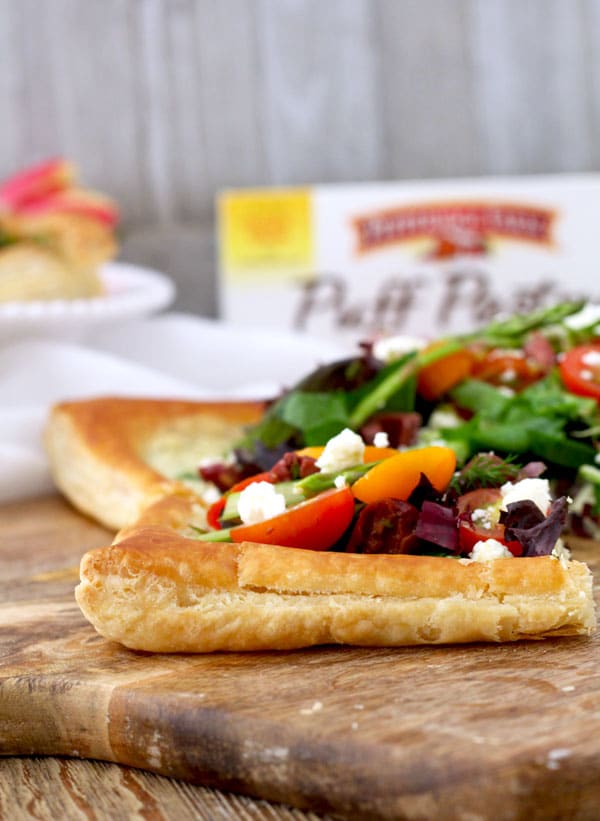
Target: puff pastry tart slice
{"type": "Point", "coordinates": [162, 587]}
{"type": "Point", "coordinates": [158, 589]}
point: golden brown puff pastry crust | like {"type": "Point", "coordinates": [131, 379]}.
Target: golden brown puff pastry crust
{"type": "Point", "coordinates": [112, 456]}
{"type": "Point", "coordinates": [159, 589]}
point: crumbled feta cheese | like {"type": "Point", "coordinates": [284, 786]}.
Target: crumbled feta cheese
{"type": "Point", "coordinates": [489, 549]}
{"type": "Point", "coordinates": [444, 417]}
{"type": "Point", "coordinates": [591, 359]}
{"type": "Point", "coordinates": [260, 501]}
{"type": "Point", "coordinates": [341, 452]}
{"type": "Point", "coordinates": [393, 347]}
{"type": "Point", "coordinates": [505, 390]}
{"type": "Point", "coordinates": [486, 517]}
{"type": "Point", "coordinates": [210, 495]}
{"type": "Point", "coordinates": [586, 374]}
{"type": "Point", "coordinates": [478, 514]}
{"type": "Point", "coordinates": [561, 551]}
{"type": "Point", "coordinates": [381, 440]}
{"type": "Point", "coordinates": [597, 458]}
{"type": "Point", "coordinates": [219, 459]}
{"type": "Point", "coordinates": [586, 318]}
{"type": "Point", "coordinates": [509, 375]}
{"type": "Point", "coordinates": [534, 490]}
{"type": "Point", "coordinates": [340, 482]}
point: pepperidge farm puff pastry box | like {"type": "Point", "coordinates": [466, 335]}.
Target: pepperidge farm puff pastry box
{"type": "Point", "coordinates": [435, 257]}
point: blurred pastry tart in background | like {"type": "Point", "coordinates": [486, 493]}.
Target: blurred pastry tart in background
{"type": "Point", "coordinates": [54, 235]}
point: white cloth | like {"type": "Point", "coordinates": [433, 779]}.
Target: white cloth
{"type": "Point", "coordinates": [172, 355]}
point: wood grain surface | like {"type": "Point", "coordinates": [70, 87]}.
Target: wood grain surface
{"type": "Point", "coordinates": [49, 789]}
{"type": "Point", "coordinates": [40, 543]}
{"type": "Point", "coordinates": [504, 732]}
{"type": "Point", "coordinates": [162, 102]}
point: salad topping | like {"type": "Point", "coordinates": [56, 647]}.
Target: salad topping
{"type": "Point", "coordinates": [376, 441]}
{"type": "Point", "coordinates": [407, 502]}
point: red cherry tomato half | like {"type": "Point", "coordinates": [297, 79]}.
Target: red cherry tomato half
{"type": "Point", "coordinates": [516, 548]}
{"type": "Point", "coordinates": [469, 534]}
{"type": "Point", "coordinates": [316, 524]}
{"type": "Point", "coordinates": [213, 513]}
{"type": "Point", "coordinates": [580, 376]}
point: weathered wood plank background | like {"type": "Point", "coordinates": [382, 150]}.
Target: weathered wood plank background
{"type": "Point", "coordinates": [162, 102]}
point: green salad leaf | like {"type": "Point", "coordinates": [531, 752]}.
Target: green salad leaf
{"type": "Point", "coordinates": [543, 419]}
{"type": "Point", "coordinates": [319, 416]}
{"type": "Point", "coordinates": [538, 421]}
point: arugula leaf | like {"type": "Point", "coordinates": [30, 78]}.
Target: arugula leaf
{"type": "Point", "coordinates": [403, 399]}
{"type": "Point", "coordinates": [475, 395]}
{"type": "Point", "coordinates": [506, 437]}
{"type": "Point", "coordinates": [549, 396]}
{"type": "Point", "coordinates": [306, 411]}
{"type": "Point", "coordinates": [317, 416]}
{"type": "Point", "coordinates": [560, 449]}
{"type": "Point", "coordinates": [536, 420]}
{"type": "Point", "coordinates": [272, 431]}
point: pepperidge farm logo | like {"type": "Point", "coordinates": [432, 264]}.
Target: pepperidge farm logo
{"type": "Point", "coordinates": [451, 229]}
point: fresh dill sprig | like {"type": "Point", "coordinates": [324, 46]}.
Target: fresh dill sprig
{"type": "Point", "coordinates": [484, 470]}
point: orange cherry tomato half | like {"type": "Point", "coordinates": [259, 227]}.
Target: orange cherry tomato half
{"type": "Point", "coordinates": [213, 513]}
{"type": "Point", "coordinates": [436, 379]}
{"type": "Point", "coordinates": [372, 454]}
{"type": "Point", "coordinates": [399, 475]}
{"type": "Point", "coordinates": [507, 369]}
{"type": "Point", "coordinates": [316, 524]}
{"type": "Point", "coordinates": [580, 376]}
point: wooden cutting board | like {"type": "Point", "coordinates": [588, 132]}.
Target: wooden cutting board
{"type": "Point", "coordinates": [447, 732]}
